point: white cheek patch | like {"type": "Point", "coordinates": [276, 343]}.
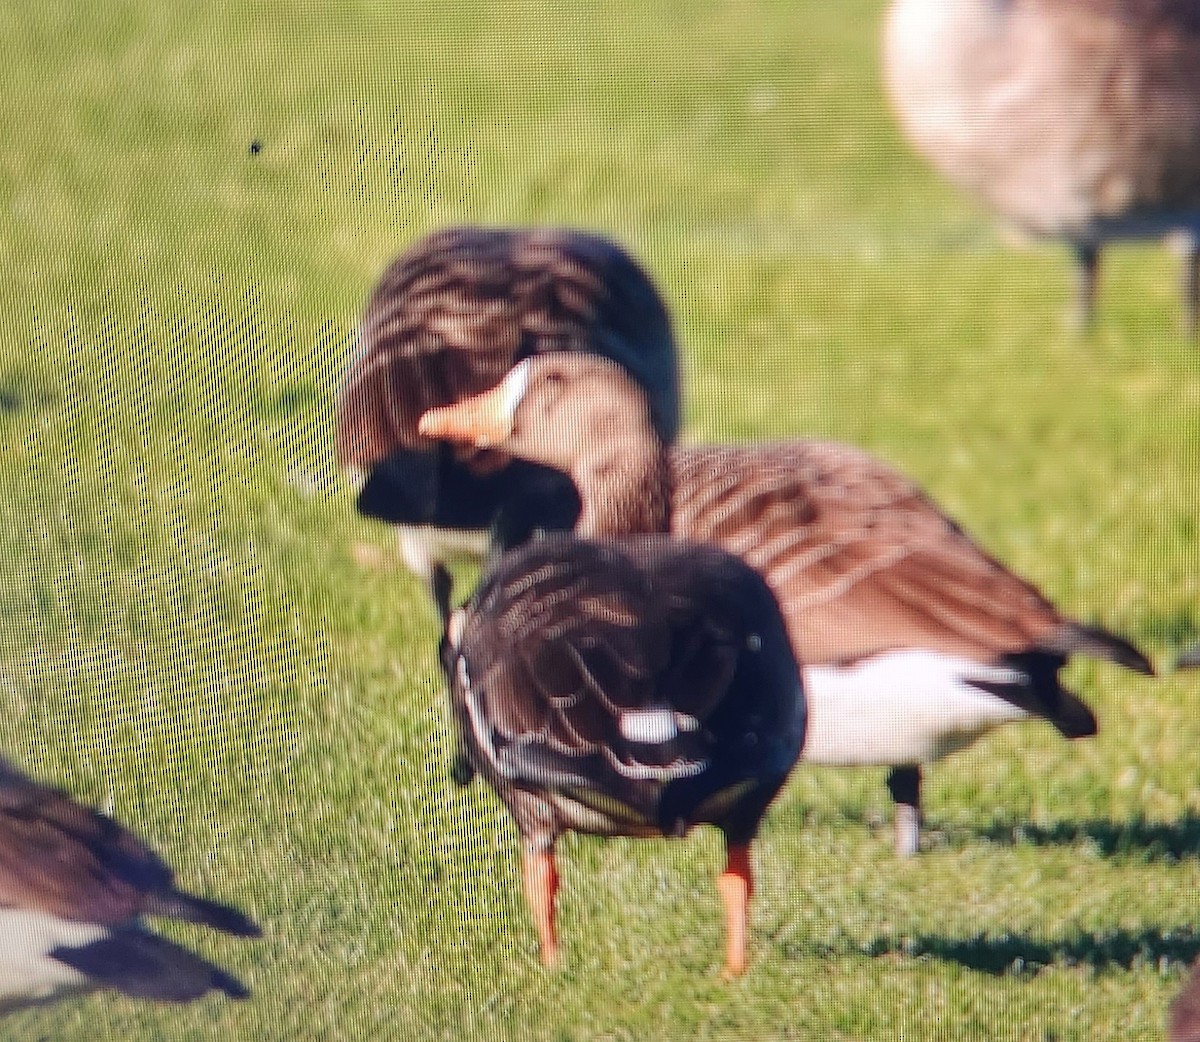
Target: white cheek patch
{"type": "Point", "coordinates": [514, 386]}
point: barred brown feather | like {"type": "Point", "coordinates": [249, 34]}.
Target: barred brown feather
{"type": "Point", "coordinates": [863, 563]}
{"type": "Point", "coordinates": [453, 314]}
{"type": "Point", "coordinates": [570, 646]}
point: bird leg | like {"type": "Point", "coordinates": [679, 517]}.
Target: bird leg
{"type": "Point", "coordinates": [1087, 260]}
{"type": "Point", "coordinates": [441, 585]}
{"type": "Point", "coordinates": [904, 783]}
{"type": "Point", "coordinates": [736, 886]}
{"type": "Point", "coordinates": [541, 885]}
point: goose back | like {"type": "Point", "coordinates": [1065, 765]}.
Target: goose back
{"type": "Point", "coordinates": [864, 563]}
{"type": "Point", "coordinates": [635, 686]}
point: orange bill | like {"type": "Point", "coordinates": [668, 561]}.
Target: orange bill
{"type": "Point", "coordinates": [483, 420]}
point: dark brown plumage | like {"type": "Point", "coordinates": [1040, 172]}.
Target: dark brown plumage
{"type": "Point", "coordinates": [1078, 119]}
{"type": "Point", "coordinates": [74, 886]}
{"type": "Point", "coordinates": [634, 687]}
{"type": "Point", "coordinates": [914, 642]}
{"type": "Point", "coordinates": [448, 319]}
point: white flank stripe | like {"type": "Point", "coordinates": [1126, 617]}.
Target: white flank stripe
{"type": "Point", "coordinates": [905, 707]}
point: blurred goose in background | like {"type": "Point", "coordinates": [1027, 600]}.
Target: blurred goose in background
{"type": "Point", "coordinates": [914, 642]}
{"type": "Point", "coordinates": [632, 686]}
{"type": "Point", "coordinates": [449, 318]}
{"type": "Point", "coordinates": [74, 887]}
{"type": "Point", "coordinates": [1074, 119]}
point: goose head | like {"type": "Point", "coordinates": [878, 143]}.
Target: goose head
{"type": "Point", "coordinates": [553, 409]}
{"type": "Point", "coordinates": [579, 414]}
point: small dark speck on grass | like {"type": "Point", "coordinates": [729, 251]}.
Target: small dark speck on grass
{"type": "Point", "coordinates": [256, 146]}
{"type": "Point", "coordinates": [1135, 840]}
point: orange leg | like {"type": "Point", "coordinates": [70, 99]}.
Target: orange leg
{"type": "Point", "coordinates": [736, 885]}
{"type": "Point", "coordinates": [541, 884]}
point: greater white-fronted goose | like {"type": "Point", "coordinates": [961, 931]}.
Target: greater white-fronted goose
{"type": "Point", "coordinates": [1183, 1023]}
{"type": "Point", "coordinates": [74, 888]}
{"type": "Point", "coordinates": [913, 641]}
{"type": "Point", "coordinates": [632, 686]}
{"type": "Point", "coordinates": [448, 319]}
{"type": "Point", "coordinates": [1075, 119]}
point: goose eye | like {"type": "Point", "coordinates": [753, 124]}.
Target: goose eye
{"type": "Point", "coordinates": [554, 379]}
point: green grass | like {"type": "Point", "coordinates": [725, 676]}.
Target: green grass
{"type": "Point", "coordinates": [188, 633]}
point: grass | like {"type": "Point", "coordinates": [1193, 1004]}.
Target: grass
{"type": "Point", "coordinates": [189, 636]}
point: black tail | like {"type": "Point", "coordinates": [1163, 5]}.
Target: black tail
{"type": "Point", "coordinates": [1074, 638]}
{"type": "Point", "coordinates": [1072, 717]}
{"type": "Point", "coordinates": [178, 905]}
{"type": "Point", "coordinates": [148, 966]}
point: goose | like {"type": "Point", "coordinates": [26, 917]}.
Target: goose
{"type": "Point", "coordinates": [1189, 659]}
{"type": "Point", "coordinates": [448, 318]}
{"type": "Point", "coordinates": [913, 641]}
{"type": "Point", "coordinates": [635, 687]}
{"type": "Point", "coordinates": [1184, 1017]}
{"type": "Point", "coordinates": [612, 683]}
{"type": "Point", "coordinates": [1074, 119]}
{"type": "Point", "coordinates": [74, 888]}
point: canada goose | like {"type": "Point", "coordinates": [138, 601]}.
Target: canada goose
{"type": "Point", "coordinates": [74, 887]}
{"type": "Point", "coordinates": [448, 318]}
{"type": "Point", "coordinates": [1074, 119]}
{"type": "Point", "coordinates": [913, 642]}
{"type": "Point", "coordinates": [1183, 1024]}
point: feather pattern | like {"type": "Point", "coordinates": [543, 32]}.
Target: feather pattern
{"type": "Point", "coordinates": [637, 678]}
{"type": "Point", "coordinates": [864, 564]}
{"type": "Point", "coordinates": [448, 319]}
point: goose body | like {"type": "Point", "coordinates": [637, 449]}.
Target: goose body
{"type": "Point", "coordinates": [1189, 659]}
{"type": "Point", "coordinates": [913, 641]}
{"type": "Point", "coordinates": [75, 887]}
{"type": "Point", "coordinates": [634, 687]}
{"type": "Point", "coordinates": [610, 682]}
{"type": "Point", "coordinates": [1076, 119]}
{"type": "Point", "coordinates": [448, 318]}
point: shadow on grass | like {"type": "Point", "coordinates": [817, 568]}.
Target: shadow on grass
{"type": "Point", "coordinates": [1135, 840]}
{"type": "Point", "coordinates": [1014, 954]}
{"type": "Point", "coordinates": [1019, 954]}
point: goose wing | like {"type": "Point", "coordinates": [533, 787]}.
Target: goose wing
{"type": "Point", "coordinates": [863, 562]}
